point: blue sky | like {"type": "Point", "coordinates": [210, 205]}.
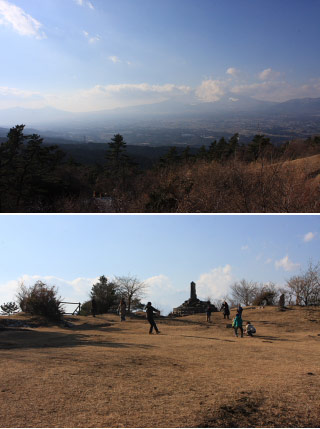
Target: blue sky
{"type": "Point", "coordinates": [167, 252]}
{"type": "Point", "coordinates": [82, 55]}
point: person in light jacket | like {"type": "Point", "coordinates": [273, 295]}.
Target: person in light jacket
{"type": "Point", "coordinates": [250, 329]}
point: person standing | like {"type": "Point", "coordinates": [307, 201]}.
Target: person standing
{"type": "Point", "coordinates": [122, 310]}
{"type": "Point", "coordinates": [150, 310]}
{"type": "Point", "coordinates": [226, 310]}
{"type": "Point", "coordinates": [93, 306]}
{"type": "Point", "coordinates": [237, 323]}
{"type": "Point", "coordinates": [240, 310]}
{"type": "Point", "coordinates": [208, 312]}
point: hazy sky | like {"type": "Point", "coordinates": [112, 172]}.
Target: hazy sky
{"type": "Point", "coordinates": [165, 251]}
{"type": "Point", "coordinates": [82, 55]}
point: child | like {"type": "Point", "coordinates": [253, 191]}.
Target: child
{"type": "Point", "coordinates": [250, 329]}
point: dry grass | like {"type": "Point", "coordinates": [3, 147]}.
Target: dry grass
{"type": "Point", "coordinates": [232, 187]}
{"type": "Point", "coordinates": [103, 373]}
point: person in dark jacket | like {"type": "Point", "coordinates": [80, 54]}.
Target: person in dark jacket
{"type": "Point", "coordinates": [208, 312]}
{"type": "Point", "coordinates": [150, 310]}
{"type": "Point", "coordinates": [93, 307]}
{"type": "Point", "coordinates": [240, 310]}
{"type": "Point", "coordinates": [226, 310]}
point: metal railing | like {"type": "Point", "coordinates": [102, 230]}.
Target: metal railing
{"type": "Point", "coordinates": [76, 311]}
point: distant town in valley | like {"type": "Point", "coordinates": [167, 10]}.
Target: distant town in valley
{"type": "Point", "coordinates": [173, 124]}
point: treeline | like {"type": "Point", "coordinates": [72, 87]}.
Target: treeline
{"type": "Point", "coordinates": [226, 176]}
{"type": "Point", "coordinates": [43, 300]}
{"type": "Point", "coordinates": [107, 295]}
{"type": "Point", "coordinates": [303, 289]}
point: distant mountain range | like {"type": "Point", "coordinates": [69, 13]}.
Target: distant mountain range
{"type": "Point", "coordinates": [175, 109]}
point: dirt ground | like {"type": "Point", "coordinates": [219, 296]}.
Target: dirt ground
{"type": "Point", "coordinates": [103, 373]}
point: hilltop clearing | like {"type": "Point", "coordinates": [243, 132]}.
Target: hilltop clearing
{"type": "Point", "coordinates": [103, 373]}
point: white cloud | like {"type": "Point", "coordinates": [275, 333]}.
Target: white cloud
{"type": "Point", "coordinates": [94, 39]}
{"type": "Point", "coordinates": [268, 261]}
{"type": "Point", "coordinates": [15, 92]}
{"type": "Point", "coordinates": [162, 293]}
{"type": "Point", "coordinates": [114, 59]}
{"type": "Point", "coordinates": [232, 71]}
{"type": "Point", "coordinates": [211, 90]}
{"type": "Point", "coordinates": [100, 97]}
{"type": "Point", "coordinates": [8, 291]}
{"type": "Point", "coordinates": [246, 247]}
{"type": "Point", "coordinates": [92, 99]}
{"type": "Point", "coordinates": [269, 74]}
{"type": "Point", "coordinates": [84, 3]}
{"type": "Point", "coordinates": [75, 290]}
{"type": "Point", "coordinates": [308, 237]}
{"type": "Point", "coordinates": [23, 23]}
{"type": "Point", "coordinates": [91, 39]}
{"type": "Point", "coordinates": [215, 283]}
{"type": "Point", "coordinates": [286, 264]}
{"type": "Point", "coordinates": [11, 97]}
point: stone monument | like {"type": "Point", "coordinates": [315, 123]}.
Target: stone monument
{"type": "Point", "coordinates": [193, 295]}
{"type": "Point", "coordinates": [192, 305]}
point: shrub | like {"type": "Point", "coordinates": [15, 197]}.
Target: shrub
{"type": "Point", "coordinates": [266, 295]}
{"type": "Point", "coordinates": [41, 300]}
{"type": "Point", "coordinates": [85, 309]}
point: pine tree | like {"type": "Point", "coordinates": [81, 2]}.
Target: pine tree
{"type": "Point", "coordinates": [258, 145]}
{"type": "Point", "coordinates": [233, 145]}
{"type": "Point", "coordinates": [170, 158]}
{"type": "Point", "coordinates": [105, 294]}
{"type": "Point", "coordinates": [26, 168]}
{"type": "Point", "coordinates": [202, 153]}
{"type": "Point", "coordinates": [119, 167]}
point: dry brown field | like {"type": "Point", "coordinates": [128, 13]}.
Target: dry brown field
{"type": "Point", "coordinates": [103, 373]}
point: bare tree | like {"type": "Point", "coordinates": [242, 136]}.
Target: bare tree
{"type": "Point", "coordinates": [244, 291]}
{"type": "Point", "coordinates": [306, 286]}
{"type": "Point", "coordinates": [131, 288]}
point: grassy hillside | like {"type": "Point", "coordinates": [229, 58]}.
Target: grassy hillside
{"type": "Point", "coordinates": [103, 373]}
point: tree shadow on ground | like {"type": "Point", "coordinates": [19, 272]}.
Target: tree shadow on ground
{"type": "Point", "coordinates": [185, 322]}
{"type": "Point", "coordinates": [268, 322]}
{"type": "Point", "coordinates": [241, 412]}
{"type": "Point", "coordinates": [98, 326]}
{"type": "Point", "coordinates": [23, 338]}
{"type": "Point", "coordinates": [253, 409]}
